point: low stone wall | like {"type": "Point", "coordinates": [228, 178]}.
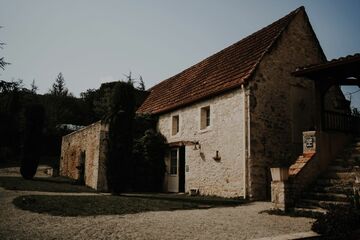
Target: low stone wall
{"type": "Point", "coordinates": [83, 156]}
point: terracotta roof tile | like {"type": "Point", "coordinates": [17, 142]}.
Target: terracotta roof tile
{"type": "Point", "coordinates": [223, 71]}
{"type": "Point", "coordinates": [334, 62]}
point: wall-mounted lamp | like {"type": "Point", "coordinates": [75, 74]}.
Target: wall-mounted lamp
{"type": "Point", "coordinates": [196, 145]}
{"type": "Point", "coordinates": [217, 156]}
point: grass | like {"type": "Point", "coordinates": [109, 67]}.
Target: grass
{"type": "Point", "coordinates": [42, 184]}
{"type": "Point", "coordinates": [74, 204]}
{"type": "Point", "coordinates": [65, 205]}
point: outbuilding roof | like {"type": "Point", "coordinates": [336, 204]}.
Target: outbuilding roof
{"type": "Point", "coordinates": [221, 72]}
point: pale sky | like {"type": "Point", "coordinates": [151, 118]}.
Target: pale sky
{"type": "Point", "coordinates": [92, 42]}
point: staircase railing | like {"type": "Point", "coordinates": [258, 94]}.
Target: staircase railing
{"type": "Point", "coordinates": [341, 122]}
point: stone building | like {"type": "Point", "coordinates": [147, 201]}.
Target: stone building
{"type": "Point", "coordinates": [228, 117]}
{"type": "Point", "coordinates": [83, 155]}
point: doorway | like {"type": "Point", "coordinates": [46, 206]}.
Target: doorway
{"type": "Point", "coordinates": [176, 175]}
{"type": "Point", "coordinates": [182, 169]}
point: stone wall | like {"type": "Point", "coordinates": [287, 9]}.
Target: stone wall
{"type": "Point", "coordinates": [225, 135]}
{"type": "Point", "coordinates": [282, 106]}
{"type": "Point", "coordinates": [88, 143]}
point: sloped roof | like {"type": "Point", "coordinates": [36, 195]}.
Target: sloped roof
{"type": "Point", "coordinates": [349, 65]}
{"type": "Point", "coordinates": [341, 71]}
{"type": "Point", "coordinates": [223, 71]}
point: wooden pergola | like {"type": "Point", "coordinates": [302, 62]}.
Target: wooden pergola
{"type": "Point", "coordinates": [343, 71]}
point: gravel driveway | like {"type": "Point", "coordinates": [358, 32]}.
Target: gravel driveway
{"type": "Point", "coordinates": [240, 222]}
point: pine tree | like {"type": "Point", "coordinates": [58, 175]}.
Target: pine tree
{"type": "Point", "coordinates": [59, 88]}
{"type": "Point", "coordinates": [3, 63]}
{"type": "Point", "coordinates": [129, 78]}
{"type": "Point", "coordinates": [34, 123]}
{"type": "Point", "coordinates": [141, 84]}
{"type": "Point", "coordinates": [33, 86]}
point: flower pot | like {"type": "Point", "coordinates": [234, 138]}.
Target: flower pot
{"type": "Point", "coordinates": [279, 173]}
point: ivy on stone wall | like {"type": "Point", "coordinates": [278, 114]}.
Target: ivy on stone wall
{"type": "Point", "coordinates": [119, 155]}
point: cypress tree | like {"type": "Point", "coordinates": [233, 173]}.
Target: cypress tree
{"type": "Point", "coordinates": [34, 122]}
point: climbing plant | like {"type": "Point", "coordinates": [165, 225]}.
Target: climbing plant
{"type": "Point", "coordinates": [148, 156]}
{"type": "Point", "coordinates": [119, 155]}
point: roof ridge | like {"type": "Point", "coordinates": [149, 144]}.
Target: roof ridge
{"type": "Point", "coordinates": [294, 12]}
{"type": "Point", "coordinates": [222, 71]}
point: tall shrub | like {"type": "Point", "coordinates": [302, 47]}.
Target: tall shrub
{"type": "Point", "coordinates": [119, 155]}
{"type": "Point", "coordinates": [148, 154]}
{"type": "Point", "coordinates": [34, 122]}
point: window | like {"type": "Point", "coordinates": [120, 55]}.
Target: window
{"type": "Point", "coordinates": [175, 124]}
{"type": "Point", "coordinates": [173, 161]}
{"type": "Point", "coordinates": [205, 117]}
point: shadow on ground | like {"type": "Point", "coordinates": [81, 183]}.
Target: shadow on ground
{"type": "Point", "coordinates": [42, 184]}
{"type": "Point", "coordinates": [92, 205]}
{"type": "Point", "coordinates": [292, 213]}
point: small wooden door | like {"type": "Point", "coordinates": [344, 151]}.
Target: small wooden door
{"type": "Point", "coordinates": [182, 169]}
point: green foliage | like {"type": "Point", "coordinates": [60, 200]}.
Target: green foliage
{"type": "Point", "coordinates": [58, 110]}
{"type": "Point", "coordinates": [59, 88]}
{"type": "Point", "coordinates": [129, 78]}
{"type": "Point", "coordinates": [148, 155]}
{"type": "Point", "coordinates": [88, 98]}
{"type": "Point", "coordinates": [33, 87]}
{"type": "Point", "coordinates": [338, 223]}
{"type": "Point", "coordinates": [34, 123]}
{"type": "Point", "coordinates": [143, 122]}
{"type": "Point", "coordinates": [141, 84]}
{"type": "Point", "coordinates": [3, 63]}
{"type": "Point", "coordinates": [6, 87]}
{"type": "Point", "coordinates": [355, 200]}
{"type": "Point", "coordinates": [10, 116]}
{"type": "Point", "coordinates": [119, 155]}
{"type": "Point", "coordinates": [133, 164]}
{"type": "Point", "coordinates": [355, 112]}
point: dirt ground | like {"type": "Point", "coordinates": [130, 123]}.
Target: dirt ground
{"type": "Point", "coordinates": [246, 221]}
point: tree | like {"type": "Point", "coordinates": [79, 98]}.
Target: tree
{"type": "Point", "coordinates": [3, 63]}
{"type": "Point", "coordinates": [7, 87]}
{"type": "Point", "coordinates": [34, 123]}
{"type": "Point", "coordinates": [119, 154]}
{"type": "Point", "coordinates": [88, 98]}
{"type": "Point", "coordinates": [59, 88]}
{"type": "Point", "coordinates": [10, 119]}
{"type": "Point", "coordinates": [129, 78]}
{"type": "Point", "coordinates": [33, 86]}
{"type": "Point", "coordinates": [149, 165]}
{"type": "Point", "coordinates": [141, 84]}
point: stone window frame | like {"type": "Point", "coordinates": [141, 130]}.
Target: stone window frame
{"type": "Point", "coordinates": [205, 117]}
{"type": "Point", "coordinates": [175, 124]}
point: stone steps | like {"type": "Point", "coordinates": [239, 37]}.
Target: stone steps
{"type": "Point", "coordinates": [328, 196]}
{"type": "Point", "coordinates": [312, 211]}
{"type": "Point", "coordinates": [339, 168]}
{"type": "Point", "coordinates": [346, 189]}
{"type": "Point", "coordinates": [334, 186]}
{"type": "Point", "coordinates": [346, 176]}
{"type": "Point", "coordinates": [333, 182]}
{"type": "Point", "coordinates": [312, 203]}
